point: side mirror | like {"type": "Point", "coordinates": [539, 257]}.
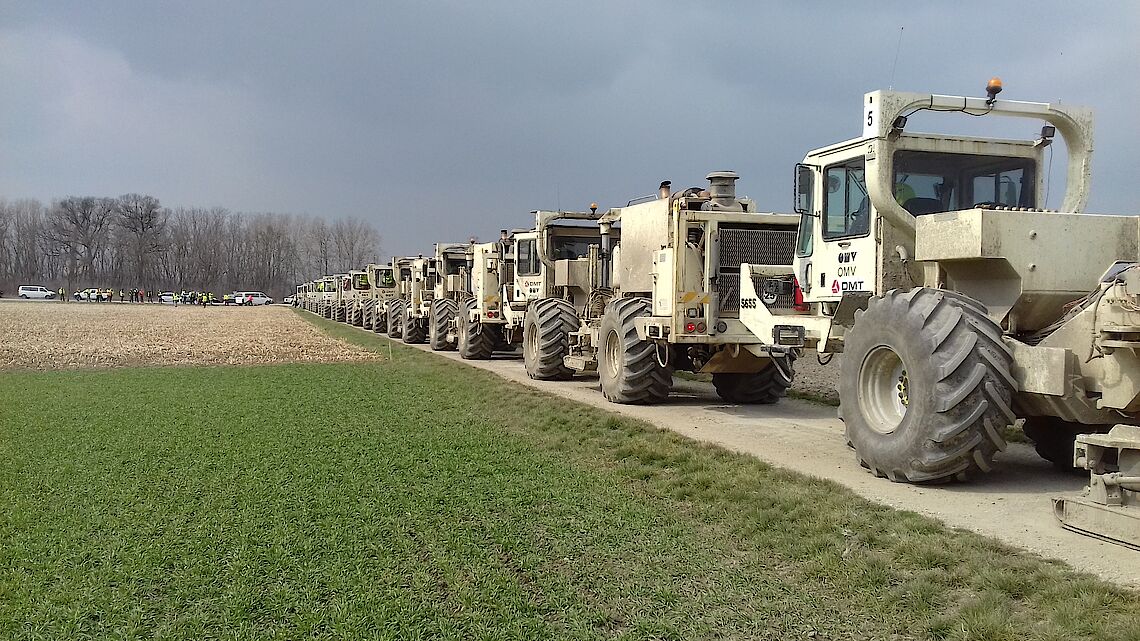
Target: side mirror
{"type": "Point", "coordinates": [804, 188]}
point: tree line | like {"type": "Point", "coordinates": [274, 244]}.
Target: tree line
{"type": "Point", "coordinates": [134, 242]}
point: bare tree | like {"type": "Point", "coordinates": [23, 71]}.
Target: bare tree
{"type": "Point", "coordinates": [129, 241]}
{"type": "Point", "coordinates": [355, 243]}
{"type": "Point", "coordinates": [28, 225]}
{"type": "Point", "coordinates": [80, 227]}
{"type": "Point", "coordinates": [142, 222]}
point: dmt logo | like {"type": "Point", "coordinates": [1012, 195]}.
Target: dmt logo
{"type": "Point", "coordinates": [846, 286]}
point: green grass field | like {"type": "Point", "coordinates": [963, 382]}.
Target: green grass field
{"type": "Point", "coordinates": [419, 499]}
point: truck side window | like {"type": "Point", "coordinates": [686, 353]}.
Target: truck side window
{"type": "Point", "coordinates": [847, 209]}
{"type": "Point", "coordinates": [805, 241]}
{"type": "Point", "coordinates": [527, 259]}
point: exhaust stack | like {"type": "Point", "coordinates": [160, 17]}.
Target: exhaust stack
{"type": "Point", "coordinates": [722, 189]}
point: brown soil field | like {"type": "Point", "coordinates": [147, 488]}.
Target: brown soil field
{"type": "Point", "coordinates": [73, 335]}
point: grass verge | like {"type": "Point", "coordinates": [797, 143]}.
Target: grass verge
{"type": "Point", "coordinates": [423, 499]}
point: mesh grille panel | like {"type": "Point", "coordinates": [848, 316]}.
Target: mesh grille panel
{"type": "Point", "coordinates": [756, 247]}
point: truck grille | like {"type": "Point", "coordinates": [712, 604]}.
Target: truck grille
{"type": "Point", "coordinates": [755, 246]}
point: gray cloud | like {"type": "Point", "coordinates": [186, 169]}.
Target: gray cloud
{"type": "Point", "coordinates": [448, 119]}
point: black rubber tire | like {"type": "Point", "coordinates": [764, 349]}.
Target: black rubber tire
{"type": "Point", "coordinates": [546, 339]}
{"type": "Point", "coordinates": [414, 332]}
{"type": "Point", "coordinates": [959, 388]}
{"type": "Point", "coordinates": [1053, 438]}
{"type": "Point", "coordinates": [395, 318]}
{"type": "Point", "coordinates": [758, 388]}
{"type": "Point", "coordinates": [356, 317]}
{"type": "Point", "coordinates": [443, 311]}
{"type": "Point", "coordinates": [476, 340]}
{"type": "Point", "coordinates": [631, 373]}
{"type": "Point", "coordinates": [380, 318]}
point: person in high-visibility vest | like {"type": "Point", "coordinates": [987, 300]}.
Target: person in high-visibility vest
{"type": "Point", "coordinates": [62, 294]}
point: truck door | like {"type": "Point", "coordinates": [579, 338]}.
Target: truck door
{"type": "Point", "coordinates": [843, 259]}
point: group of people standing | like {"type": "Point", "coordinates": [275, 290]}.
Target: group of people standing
{"type": "Point", "coordinates": [133, 295]}
{"type": "Point", "coordinates": [194, 298]}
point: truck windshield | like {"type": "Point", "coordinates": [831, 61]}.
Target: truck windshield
{"type": "Point", "coordinates": [360, 281]}
{"type": "Point", "coordinates": [929, 182]}
{"type": "Point", "coordinates": [571, 247]}
{"type": "Point", "coordinates": [451, 266]}
{"type": "Point", "coordinates": [384, 278]}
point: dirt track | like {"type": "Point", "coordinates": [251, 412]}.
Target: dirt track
{"type": "Point", "coordinates": [54, 335]}
{"type": "Point", "coordinates": [1012, 504]}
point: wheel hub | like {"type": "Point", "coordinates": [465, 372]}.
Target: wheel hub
{"type": "Point", "coordinates": [613, 354]}
{"type": "Point", "coordinates": [532, 344]}
{"type": "Point", "coordinates": [884, 389]}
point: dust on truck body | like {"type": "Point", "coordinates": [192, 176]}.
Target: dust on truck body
{"type": "Point", "coordinates": [326, 290]}
{"type": "Point", "coordinates": [451, 289]}
{"type": "Point", "coordinates": [667, 297]}
{"type": "Point", "coordinates": [384, 289]}
{"type": "Point", "coordinates": [961, 306]}
{"type": "Point", "coordinates": [556, 259]}
{"type": "Point", "coordinates": [397, 305]}
{"type": "Point", "coordinates": [355, 292]}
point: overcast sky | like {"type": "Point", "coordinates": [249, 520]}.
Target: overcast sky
{"type": "Point", "coordinates": [443, 120]}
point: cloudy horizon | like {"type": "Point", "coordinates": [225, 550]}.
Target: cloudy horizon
{"type": "Point", "coordinates": [442, 120]}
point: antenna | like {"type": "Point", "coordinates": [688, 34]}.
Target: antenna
{"type": "Point", "coordinates": [895, 66]}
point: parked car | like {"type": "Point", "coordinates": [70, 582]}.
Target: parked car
{"type": "Point", "coordinates": [35, 291]}
{"type": "Point", "coordinates": [91, 293]}
{"type": "Point", "coordinates": [288, 300]}
{"type": "Point", "coordinates": [166, 297]}
{"type": "Point", "coordinates": [252, 298]}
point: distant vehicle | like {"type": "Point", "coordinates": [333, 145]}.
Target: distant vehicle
{"type": "Point", "coordinates": [252, 298]}
{"type": "Point", "coordinates": [90, 294]}
{"type": "Point", "coordinates": [166, 297]}
{"type": "Point", "coordinates": [288, 300]}
{"type": "Point", "coordinates": [35, 291]}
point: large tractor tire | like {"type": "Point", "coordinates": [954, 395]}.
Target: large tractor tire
{"type": "Point", "coordinates": [379, 318]}
{"type": "Point", "coordinates": [443, 311]}
{"type": "Point", "coordinates": [1054, 438]}
{"type": "Point", "coordinates": [758, 388]}
{"type": "Point", "coordinates": [395, 318]}
{"type": "Point", "coordinates": [546, 339]}
{"type": "Point", "coordinates": [630, 368]}
{"type": "Point", "coordinates": [925, 388]}
{"type": "Point", "coordinates": [414, 332]}
{"type": "Point", "coordinates": [476, 340]}
{"type": "Point", "coordinates": [356, 316]}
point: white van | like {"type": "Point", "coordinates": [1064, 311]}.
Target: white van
{"type": "Point", "coordinates": [252, 298]}
{"type": "Point", "coordinates": [35, 291]}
